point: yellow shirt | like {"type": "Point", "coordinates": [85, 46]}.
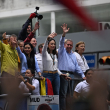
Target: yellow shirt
{"type": "Point", "coordinates": [9, 59]}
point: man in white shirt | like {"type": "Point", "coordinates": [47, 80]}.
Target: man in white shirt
{"type": "Point", "coordinates": [82, 88]}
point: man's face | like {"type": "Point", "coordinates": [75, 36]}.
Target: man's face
{"type": "Point", "coordinates": [89, 75]}
{"type": "Point", "coordinates": [29, 29]}
{"type": "Point", "coordinates": [33, 42]}
{"type": "Point", "coordinates": [40, 49]}
{"type": "Point", "coordinates": [68, 45]}
{"type": "Point", "coordinates": [13, 41]}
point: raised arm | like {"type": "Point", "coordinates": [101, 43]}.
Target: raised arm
{"type": "Point", "coordinates": [5, 40]}
{"type": "Point", "coordinates": [30, 36]}
{"type": "Point", "coordinates": [46, 43]}
{"type": "Point", "coordinates": [61, 43]}
{"type": "Point", "coordinates": [22, 33]}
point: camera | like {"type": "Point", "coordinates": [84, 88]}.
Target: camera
{"type": "Point", "coordinates": [38, 15]}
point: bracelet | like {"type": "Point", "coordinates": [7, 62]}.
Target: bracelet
{"type": "Point", "coordinates": [25, 81]}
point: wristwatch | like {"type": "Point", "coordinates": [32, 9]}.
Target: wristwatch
{"type": "Point", "coordinates": [40, 75]}
{"type": "Point", "coordinates": [25, 81]}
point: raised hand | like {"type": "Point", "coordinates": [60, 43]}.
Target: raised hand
{"type": "Point", "coordinates": [36, 27]}
{"type": "Point", "coordinates": [64, 27]}
{"type": "Point", "coordinates": [4, 35]}
{"type": "Point", "coordinates": [52, 35]}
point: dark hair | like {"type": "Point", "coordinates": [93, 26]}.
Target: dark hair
{"type": "Point", "coordinates": [24, 24]}
{"type": "Point", "coordinates": [44, 107]}
{"type": "Point", "coordinates": [88, 71]}
{"type": "Point", "coordinates": [31, 58]}
{"type": "Point", "coordinates": [32, 71]}
{"type": "Point", "coordinates": [48, 50]}
{"type": "Point", "coordinates": [40, 46]}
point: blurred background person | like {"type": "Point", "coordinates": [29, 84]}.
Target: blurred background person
{"type": "Point", "coordinates": [39, 56]}
{"type": "Point", "coordinates": [21, 45]}
{"type": "Point", "coordinates": [44, 106]}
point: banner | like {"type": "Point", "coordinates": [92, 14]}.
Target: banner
{"type": "Point", "coordinates": [50, 102]}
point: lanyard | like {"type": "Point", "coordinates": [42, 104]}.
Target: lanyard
{"type": "Point", "coordinates": [53, 58]}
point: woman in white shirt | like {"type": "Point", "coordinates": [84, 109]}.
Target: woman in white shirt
{"type": "Point", "coordinates": [49, 58]}
{"type": "Point", "coordinates": [25, 84]}
{"type": "Point", "coordinates": [79, 50]}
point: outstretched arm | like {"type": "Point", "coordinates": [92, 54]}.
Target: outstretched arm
{"type": "Point", "coordinates": [65, 29]}
{"type": "Point", "coordinates": [61, 43]}
{"type": "Point", "coordinates": [46, 43]}
{"type": "Point", "coordinates": [30, 36]}
{"type": "Point", "coordinates": [23, 32]}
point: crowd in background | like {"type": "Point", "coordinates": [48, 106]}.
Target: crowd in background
{"type": "Point", "coordinates": [19, 59]}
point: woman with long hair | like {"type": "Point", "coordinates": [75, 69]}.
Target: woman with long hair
{"type": "Point", "coordinates": [49, 58]}
{"type": "Point", "coordinates": [28, 59]}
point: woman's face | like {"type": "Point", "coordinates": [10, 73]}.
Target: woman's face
{"type": "Point", "coordinates": [28, 73]}
{"type": "Point", "coordinates": [51, 45]}
{"type": "Point", "coordinates": [21, 45]}
{"type": "Point", "coordinates": [81, 48]}
{"type": "Point", "coordinates": [27, 49]}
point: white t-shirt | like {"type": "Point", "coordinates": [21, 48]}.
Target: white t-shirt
{"type": "Point", "coordinates": [82, 88]}
{"type": "Point", "coordinates": [35, 83]}
{"type": "Point", "coordinates": [81, 62]}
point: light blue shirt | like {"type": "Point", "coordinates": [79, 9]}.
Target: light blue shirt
{"type": "Point", "coordinates": [23, 60]}
{"type": "Point", "coordinates": [67, 61]}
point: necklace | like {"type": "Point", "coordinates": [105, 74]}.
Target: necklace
{"type": "Point", "coordinates": [53, 58]}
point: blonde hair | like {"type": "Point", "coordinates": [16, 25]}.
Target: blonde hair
{"type": "Point", "coordinates": [77, 44]}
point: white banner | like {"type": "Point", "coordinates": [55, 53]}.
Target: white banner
{"type": "Point", "coordinates": [49, 99]}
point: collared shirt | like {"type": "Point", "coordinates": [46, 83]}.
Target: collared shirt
{"type": "Point", "coordinates": [67, 61]}
{"type": "Point", "coordinates": [81, 62]}
{"type": "Point", "coordinates": [9, 59]}
{"type": "Point", "coordinates": [83, 88]}
{"type": "Point", "coordinates": [23, 60]}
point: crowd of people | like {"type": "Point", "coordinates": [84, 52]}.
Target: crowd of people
{"type": "Point", "coordinates": [20, 59]}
